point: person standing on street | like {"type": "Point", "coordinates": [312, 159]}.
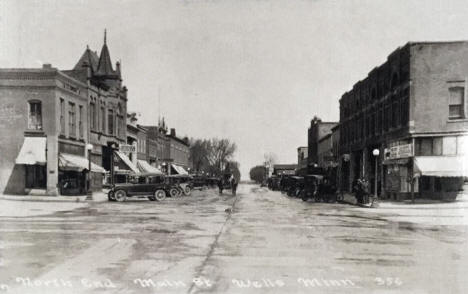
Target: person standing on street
{"type": "Point", "coordinates": [220, 185]}
{"type": "Point", "coordinates": [233, 185]}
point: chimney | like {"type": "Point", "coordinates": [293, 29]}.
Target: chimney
{"type": "Point", "coordinates": [173, 134]}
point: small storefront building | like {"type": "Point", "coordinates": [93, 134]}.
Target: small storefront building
{"type": "Point", "coordinates": [441, 177]}
{"type": "Point", "coordinates": [73, 173]}
{"type": "Point", "coordinates": [32, 157]}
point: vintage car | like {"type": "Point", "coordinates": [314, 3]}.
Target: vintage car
{"type": "Point", "coordinates": [311, 187]}
{"type": "Point", "coordinates": [179, 185]}
{"type": "Point", "coordinates": [296, 185]}
{"type": "Point", "coordinates": [148, 185]}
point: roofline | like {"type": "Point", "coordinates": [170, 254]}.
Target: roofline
{"type": "Point", "coordinates": [324, 137]}
{"type": "Point", "coordinates": [409, 43]}
{"type": "Point", "coordinates": [178, 139]}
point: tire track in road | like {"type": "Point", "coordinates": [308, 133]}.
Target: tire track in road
{"type": "Point", "coordinates": [201, 269]}
{"type": "Point", "coordinates": [105, 253]}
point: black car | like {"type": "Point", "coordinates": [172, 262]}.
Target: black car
{"type": "Point", "coordinates": [142, 185]}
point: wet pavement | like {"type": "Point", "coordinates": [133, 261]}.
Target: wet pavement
{"type": "Point", "coordinates": [258, 242]}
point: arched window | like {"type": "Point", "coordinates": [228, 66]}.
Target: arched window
{"type": "Point", "coordinates": [34, 115]}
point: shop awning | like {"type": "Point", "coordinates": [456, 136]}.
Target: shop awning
{"type": "Point", "coordinates": [179, 170]}
{"type": "Point", "coordinates": [127, 162]}
{"type": "Point", "coordinates": [441, 166]}
{"type": "Point", "coordinates": [77, 163]}
{"type": "Point", "coordinates": [33, 151]}
{"type": "Point", "coordinates": [145, 167]}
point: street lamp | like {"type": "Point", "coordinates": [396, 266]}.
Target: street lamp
{"type": "Point", "coordinates": [376, 154]}
{"type": "Point", "coordinates": [89, 147]}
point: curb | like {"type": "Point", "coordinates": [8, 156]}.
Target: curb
{"type": "Point", "coordinates": [44, 198]}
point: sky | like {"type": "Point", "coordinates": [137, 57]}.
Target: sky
{"type": "Point", "coordinates": [253, 71]}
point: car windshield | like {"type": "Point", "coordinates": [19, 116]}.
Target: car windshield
{"type": "Point", "coordinates": [156, 180]}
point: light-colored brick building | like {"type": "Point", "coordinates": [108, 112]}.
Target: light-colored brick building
{"type": "Point", "coordinates": [49, 116]}
{"type": "Point", "coordinates": [413, 110]}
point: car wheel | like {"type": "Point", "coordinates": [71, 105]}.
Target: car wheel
{"type": "Point", "coordinates": [120, 195]}
{"type": "Point", "coordinates": [174, 192]}
{"type": "Point", "coordinates": [187, 190]}
{"type": "Point", "coordinates": [110, 196]}
{"type": "Point", "coordinates": [159, 195]}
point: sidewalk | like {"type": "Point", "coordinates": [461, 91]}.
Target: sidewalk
{"type": "Point", "coordinates": [427, 203]}
{"type": "Point", "coordinates": [99, 196]}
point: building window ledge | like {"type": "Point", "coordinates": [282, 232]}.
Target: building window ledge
{"type": "Point", "coordinates": [34, 133]}
{"type": "Point", "coordinates": [454, 120]}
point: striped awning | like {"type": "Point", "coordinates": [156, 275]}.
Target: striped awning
{"type": "Point", "coordinates": [145, 167]}
{"type": "Point", "coordinates": [77, 163]}
{"type": "Point", "coordinates": [179, 170]}
{"type": "Point", "coordinates": [33, 151]}
{"type": "Point", "coordinates": [441, 166]}
{"type": "Point", "coordinates": [127, 162]}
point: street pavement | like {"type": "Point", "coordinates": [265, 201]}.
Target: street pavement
{"type": "Point", "coordinates": [259, 241]}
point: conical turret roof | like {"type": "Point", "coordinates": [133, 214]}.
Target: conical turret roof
{"type": "Point", "coordinates": [104, 67]}
{"type": "Point", "coordinates": [89, 58]}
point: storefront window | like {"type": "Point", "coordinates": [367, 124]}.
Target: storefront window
{"type": "Point", "coordinates": [462, 145]}
{"type": "Point", "coordinates": [424, 146]}
{"type": "Point", "coordinates": [437, 146]}
{"type": "Point", "coordinates": [449, 145]}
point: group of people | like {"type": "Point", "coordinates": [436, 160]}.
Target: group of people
{"type": "Point", "coordinates": [362, 190]}
{"type": "Point", "coordinates": [232, 182]}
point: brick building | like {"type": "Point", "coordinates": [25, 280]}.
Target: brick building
{"type": "Point", "coordinates": [50, 116]}
{"type": "Point", "coordinates": [179, 153]}
{"type": "Point", "coordinates": [302, 154]}
{"type": "Point", "coordinates": [412, 109]}
{"type": "Point", "coordinates": [317, 130]}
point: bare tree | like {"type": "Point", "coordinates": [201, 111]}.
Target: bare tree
{"type": "Point", "coordinates": [220, 151]}
{"type": "Point", "coordinates": [212, 155]}
{"type": "Point", "coordinates": [270, 158]}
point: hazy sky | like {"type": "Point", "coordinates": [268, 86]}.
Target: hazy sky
{"type": "Point", "coordinates": [252, 71]}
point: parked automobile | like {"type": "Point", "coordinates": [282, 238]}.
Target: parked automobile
{"type": "Point", "coordinates": [296, 185]}
{"type": "Point", "coordinates": [145, 185]}
{"type": "Point", "coordinates": [182, 183]}
{"type": "Point", "coordinates": [311, 187]}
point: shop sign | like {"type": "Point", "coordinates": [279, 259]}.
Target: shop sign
{"type": "Point", "coordinates": [399, 151]}
{"type": "Point", "coordinates": [127, 148]}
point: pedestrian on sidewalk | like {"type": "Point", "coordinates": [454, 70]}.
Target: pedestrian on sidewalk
{"type": "Point", "coordinates": [220, 185]}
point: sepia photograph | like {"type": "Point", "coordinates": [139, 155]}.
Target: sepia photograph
{"type": "Point", "coordinates": [233, 146]}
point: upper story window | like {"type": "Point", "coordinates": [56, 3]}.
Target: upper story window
{"type": "Point", "coordinates": [92, 115]}
{"type": "Point", "coordinates": [456, 102]}
{"type": "Point", "coordinates": [62, 116]}
{"type": "Point", "coordinates": [103, 119]}
{"type": "Point", "coordinates": [110, 121]}
{"type": "Point", "coordinates": [35, 115]}
{"type": "Point", "coordinates": [80, 121]}
{"type": "Point", "coordinates": [72, 119]}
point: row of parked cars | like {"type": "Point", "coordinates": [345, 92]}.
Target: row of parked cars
{"type": "Point", "coordinates": [311, 186]}
{"type": "Point", "coordinates": [156, 187]}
